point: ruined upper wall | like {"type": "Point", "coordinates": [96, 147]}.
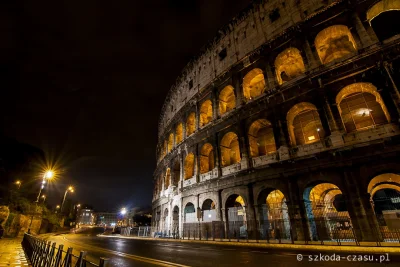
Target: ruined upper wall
{"type": "Point", "coordinates": [244, 34]}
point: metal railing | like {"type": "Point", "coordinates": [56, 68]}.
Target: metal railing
{"type": "Point", "coordinates": [46, 254]}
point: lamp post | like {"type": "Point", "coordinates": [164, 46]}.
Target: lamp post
{"type": "Point", "coordinates": [69, 189]}
{"type": "Point", "coordinates": [123, 212]}
{"type": "Point", "coordinates": [57, 208]}
{"type": "Point", "coordinates": [47, 175]}
{"type": "Point", "coordinates": [18, 183]}
{"type": "Point", "coordinates": [44, 198]}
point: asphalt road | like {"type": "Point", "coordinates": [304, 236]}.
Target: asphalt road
{"type": "Point", "coordinates": [131, 252]}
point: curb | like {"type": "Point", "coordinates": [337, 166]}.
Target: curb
{"type": "Point", "coordinates": [273, 246]}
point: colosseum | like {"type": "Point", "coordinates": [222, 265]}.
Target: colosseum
{"type": "Point", "coordinates": [285, 128]}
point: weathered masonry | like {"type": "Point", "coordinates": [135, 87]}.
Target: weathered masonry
{"type": "Point", "coordinates": [286, 127]}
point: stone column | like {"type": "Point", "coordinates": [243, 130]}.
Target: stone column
{"type": "Point", "coordinates": [243, 146]}
{"type": "Point", "coordinates": [215, 103]}
{"type": "Point", "coordinates": [182, 170]}
{"type": "Point", "coordinates": [312, 59]}
{"type": "Point", "coordinates": [297, 213]}
{"type": "Point", "coordinates": [197, 127]}
{"type": "Point", "coordinates": [217, 155]}
{"type": "Point", "coordinates": [238, 85]}
{"type": "Point", "coordinates": [361, 214]}
{"type": "Point", "coordinates": [283, 149]}
{"type": "Point", "coordinates": [225, 221]}
{"type": "Point", "coordinates": [396, 99]}
{"type": "Point", "coordinates": [335, 137]}
{"type": "Point", "coordinates": [270, 80]}
{"type": "Point", "coordinates": [197, 166]}
{"type": "Point", "coordinates": [362, 33]}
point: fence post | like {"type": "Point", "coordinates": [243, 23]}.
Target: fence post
{"type": "Point", "coordinates": [68, 258]}
{"type": "Point", "coordinates": [58, 256]}
{"type": "Point", "coordinates": [104, 262]}
{"type": "Point", "coordinates": [81, 259]}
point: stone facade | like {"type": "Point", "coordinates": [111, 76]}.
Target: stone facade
{"type": "Point", "coordinates": [302, 130]}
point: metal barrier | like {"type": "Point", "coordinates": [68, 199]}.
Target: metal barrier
{"type": "Point", "coordinates": [43, 253]}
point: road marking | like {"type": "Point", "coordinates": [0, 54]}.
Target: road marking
{"type": "Point", "coordinates": [131, 256]}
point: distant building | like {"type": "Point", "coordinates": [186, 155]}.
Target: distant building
{"type": "Point", "coordinates": [85, 217]}
{"type": "Point", "coordinates": [106, 218]}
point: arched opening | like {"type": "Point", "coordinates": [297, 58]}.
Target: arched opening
{"type": "Point", "coordinates": [190, 213]}
{"type": "Point", "coordinates": [189, 166]}
{"type": "Point", "coordinates": [175, 222]}
{"type": "Point", "coordinates": [164, 149]}
{"type": "Point", "coordinates": [179, 134]}
{"type": "Point", "coordinates": [288, 65]}
{"type": "Point", "coordinates": [209, 211]}
{"type": "Point", "coordinates": [227, 100]}
{"type": "Point", "coordinates": [206, 158]}
{"type": "Point", "coordinates": [273, 215]}
{"type": "Point", "coordinates": [165, 221]}
{"type": "Point", "coordinates": [253, 84]}
{"type": "Point", "coordinates": [176, 173]}
{"type": "Point", "coordinates": [261, 138]}
{"type": "Point", "coordinates": [327, 213]}
{"type": "Point", "coordinates": [170, 142]}
{"type": "Point", "coordinates": [384, 18]}
{"type": "Point", "coordinates": [361, 107]}
{"type": "Point", "coordinates": [230, 152]}
{"type": "Point", "coordinates": [167, 178]}
{"type": "Point", "coordinates": [191, 124]}
{"type": "Point", "coordinates": [334, 43]}
{"type": "Point", "coordinates": [304, 124]}
{"type": "Point", "coordinates": [384, 190]}
{"type": "Point", "coordinates": [236, 215]}
{"type": "Point", "coordinates": [206, 113]}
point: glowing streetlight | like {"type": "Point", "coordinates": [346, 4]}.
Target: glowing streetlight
{"type": "Point", "coordinates": [123, 212]}
{"type": "Point", "coordinates": [69, 189]}
{"type": "Point", "coordinates": [18, 182]}
{"type": "Point", "coordinates": [47, 175]}
{"type": "Point", "coordinates": [44, 198]}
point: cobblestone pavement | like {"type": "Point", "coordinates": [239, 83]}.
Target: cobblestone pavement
{"type": "Point", "coordinates": [11, 253]}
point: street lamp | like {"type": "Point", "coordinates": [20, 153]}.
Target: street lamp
{"type": "Point", "coordinates": [44, 198]}
{"type": "Point", "coordinates": [57, 208]}
{"type": "Point", "coordinates": [69, 189]}
{"type": "Point", "coordinates": [47, 175]}
{"type": "Point", "coordinates": [123, 212]}
{"type": "Point", "coordinates": [18, 182]}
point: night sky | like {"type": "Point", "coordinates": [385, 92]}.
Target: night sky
{"type": "Point", "coordinates": [85, 82]}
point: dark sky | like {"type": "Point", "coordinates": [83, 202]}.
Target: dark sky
{"type": "Point", "coordinates": [85, 82]}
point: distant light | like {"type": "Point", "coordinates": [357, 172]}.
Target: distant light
{"type": "Point", "coordinates": [18, 182]}
{"type": "Point", "coordinates": [49, 174]}
{"type": "Point", "coordinates": [209, 215]}
{"type": "Point", "coordinates": [310, 138]}
{"type": "Point", "coordinates": [318, 130]}
{"type": "Point", "coordinates": [123, 211]}
{"type": "Point", "coordinates": [42, 186]}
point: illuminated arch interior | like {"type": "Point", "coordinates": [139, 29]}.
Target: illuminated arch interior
{"type": "Point", "coordinates": [206, 158]}
{"type": "Point", "coordinates": [384, 18]}
{"type": "Point", "coordinates": [261, 138]}
{"type": "Point", "coordinates": [253, 84]}
{"type": "Point", "coordinates": [179, 133]}
{"type": "Point", "coordinates": [304, 124]}
{"type": "Point", "coordinates": [288, 65]}
{"type": "Point", "coordinates": [191, 124]}
{"type": "Point", "coordinates": [227, 100]}
{"type": "Point", "coordinates": [189, 166]}
{"type": "Point", "coordinates": [190, 213]}
{"type": "Point", "coordinates": [209, 211]}
{"type": "Point", "coordinates": [206, 113]}
{"type": "Point", "coordinates": [361, 106]}
{"type": "Point", "coordinates": [170, 142]}
{"type": "Point", "coordinates": [230, 152]}
{"type": "Point", "coordinates": [387, 180]}
{"type": "Point", "coordinates": [334, 42]}
{"type": "Point", "coordinates": [167, 178]}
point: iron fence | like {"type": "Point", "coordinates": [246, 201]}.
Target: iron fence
{"type": "Point", "coordinates": [46, 254]}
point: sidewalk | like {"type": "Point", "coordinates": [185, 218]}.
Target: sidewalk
{"type": "Point", "coordinates": [11, 253]}
{"type": "Point", "coordinates": [263, 244]}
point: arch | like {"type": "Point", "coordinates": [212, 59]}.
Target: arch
{"type": "Point", "coordinates": [179, 134]}
{"type": "Point", "coordinates": [327, 212]}
{"type": "Point", "coordinates": [383, 18]}
{"type": "Point", "coordinates": [253, 84]}
{"type": "Point", "coordinates": [288, 65]}
{"type": "Point", "coordinates": [190, 213]}
{"type": "Point", "coordinates": [361, 106]}
{"type": "Point", "coordinates": [334, 42]}
{"type": "Point", "coordinates": [206, 113]}
{"type": "Point", "coordinates": [167, 178]}
{"type": "Point", "coordinates": [384, 190]}
{"type": "Point", "coordinates": [170, 142]}
{"type": "Point", "coordinates": [227, 100]}
{"type": "Point", "coordinates": [189, 166]}
{"type": "Point", "coordinates": [230, 151]}
{"type": "Point", "coordinates": [191, 124]}
{"type": "Point", "coordinates": [209, 211]}
{"type": "Point", "coordinates": [261, 138]}
{"type": "Point", "coordinates": [206, 158]}
{"type": "Point", "coordinates": [176, 173]}
{"type": "Point", "coordinates": [236, 216]}
{"type": "Point", "coordinates": [304, 124]}
{"type": "Point", "coordinates": [273, 214]}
